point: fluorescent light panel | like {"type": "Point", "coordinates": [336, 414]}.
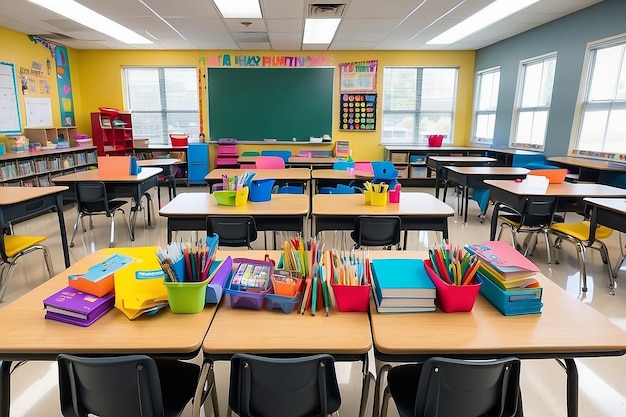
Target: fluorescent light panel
{"type": "Point", "coordinates": [319, 31]}
{"type": "Point", "coordinates": [87, 17]}
{"type": "Point", "coordinates": [497, 10]}
{"type": "Point", "coordinates": [239, 9]}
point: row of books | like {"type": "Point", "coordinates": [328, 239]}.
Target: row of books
{"type": "Point", "coordinates": [509, 279]}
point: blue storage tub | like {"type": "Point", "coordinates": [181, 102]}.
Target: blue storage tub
{"type": "Point", "coordinates": [261, 190]}
{"type": "Point", "coordinates": [285, 303]}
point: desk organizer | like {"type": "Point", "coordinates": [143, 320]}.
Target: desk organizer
{"type": "Point", "coordinates": [186, 297]}
{"type": "Point", "coordinates": [261, 190]}
{"type": "Point", "coordinates": [453, 298]}
{"type": "Point", "coordinates": [378, 199]}
{"type": "Point", "coordinates": [249, 283]}
{"type": "Point", "coordinates": [287, 283]}
{"type": "Point", "coordinates": [231, 198]}
{"type": "Point", "coordinates": [352, 297]}
{"type": "Point", "coordinates": [286, 303]}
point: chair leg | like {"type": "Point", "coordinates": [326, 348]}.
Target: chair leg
{"type": "Point", "coordinates": [79, 219]}
{"type": "Point", "coordinates": [6, 270]}
{"type": "Point", "coordinates": [127, 223]}
{"type": "Point", "coordinates": [546, 236]}
{"type": "Point", "coordinates": [111, 241]}
{"type": "Point", "coordinates": [604, 252]}
{"type": "Point", "coordinates": [385, 405]}
{"type": "Point", "coordinates": [48, 260]}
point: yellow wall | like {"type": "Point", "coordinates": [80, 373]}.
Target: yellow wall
{"type": "Point", "coordinates": [97, 82]}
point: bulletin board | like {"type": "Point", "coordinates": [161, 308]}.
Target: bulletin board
{"type": "Point", "coordinates": [253, 104]}
{"type": "Point", "coordinates": [9, 108]}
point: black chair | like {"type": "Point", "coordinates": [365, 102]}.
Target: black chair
{"type": "Point", "coordinates": [126, 386]}
{"type": "Point", "coordinates": [442, 387]}
{"type": "Point", "coordinates": [535, 217]}
{"type": "Point", "coordinates": [233, 231]}
{"type": "Point", "coordinates": [92, 199]}
{"type": "Point", "coordinates": [376, 231]}
{"type": "Point", "coordinates": [283, 387]}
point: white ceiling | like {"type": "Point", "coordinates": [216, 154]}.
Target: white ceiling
{"type": "Point", "coordinates": [197, 24]}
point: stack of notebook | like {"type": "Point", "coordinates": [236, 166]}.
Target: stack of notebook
{"type": "Point", "coordinates": [509, 279]}
{"type": "Point", "coordinates": [402, 286]}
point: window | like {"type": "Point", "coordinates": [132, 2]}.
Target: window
{"type": "Point", "coordinates": [487, 87]}
{"type": "Point", "coordinates": [418, 102]}
{"type": "Point", "coordinates": [602, 116]}
{"type": "Point", "coordinates": [163, 101]}
{"type": "Point", "coordinates": [532, 103]}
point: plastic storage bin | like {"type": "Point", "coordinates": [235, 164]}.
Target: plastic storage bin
{"type": "Point", "coordinates": [287, 283]}
{"type": "Point", "coordinates": [352, 297]}
{"type": "Point", "coordinates": [261, 190]}
{"type": "Point", "coordinates": [231, 198]}
{"type": "Point", "coordinates": [186, 297]}
{"type": "Point", "coordinates": [180, 139]}
{"type": "Point", "coordinates": [242, 293]}
{"type": "Point", "coordinates": [283, 302]}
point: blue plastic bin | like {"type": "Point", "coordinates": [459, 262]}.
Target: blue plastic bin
{"type": "Point", "coordinates": [261, 190]}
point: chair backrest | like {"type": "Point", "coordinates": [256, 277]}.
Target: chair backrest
{"type": "Point", "coordinates": [384, 170]}
{"type": "Point", "coordinates": [538, 211]}
{"type": "Point", "coordinates": [283, 387]}
{"type": "Point", "coordinates": [290, 189]}
{"type": "Point", "coordinates": [377, 230]}
{"type": "Point", "coordinates": [284, 155]}
{"type": "Point", "coordinates": [453, 388]}
{"type": "Point", "coordinates": [124, 386]}
{"type": "Point", "coordinates": [339, 189]}
{"type": "Point", "coordinates": [92, 197]}
{"type": "Point", "coordinates": [269, 162]}
{"type": "Point", "coordinates": [554, 176]}
{"type": "Point", "coordinates": [233, 231]}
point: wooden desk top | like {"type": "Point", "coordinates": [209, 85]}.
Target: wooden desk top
{"type": "Point", "coordinates": [247, 159]}
{"type": "Point", "coordinates": [338, 174]}
{"type": "Point", "coordinates": [204, 204]}
{"type": "Point", "coordinates": [93, 175]}
{"type": "Point", "coordinates": [566, 325]}
{"type": "Point", "coordinates": [488, 170]}
{"type": "Point", "coordinates": [565, 189]}
{"type": "Point", "coordinates": [452, 159]}
{"type": "Point", "coordinates": [617, 205]}
{"type": "Point", "coordinates": [236, 330]}
{"type": "Point", "coordinates": [13, 195]}
{"type": "Point", "coordinates": [158, 162]}
{"type": "Point", "coordinates": [113, 333]}
{"type": "Point", "coordinates": [299, 174]}
{"type": "Point", "coordinates": [589, 163]}
{"type": "Point", "coordinates": [411, 204]}
{"type": "Point", "coordinates": [309, 160]}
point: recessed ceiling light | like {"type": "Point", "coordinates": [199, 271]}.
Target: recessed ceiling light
{"type": "Point", "coordinates": [319, 31]}
{"type": "Point", "coordinates": [497, 10]}
{"type": "Point", "coordinates": [87, 17]}
{"type": "Point", "coordinates": [239, 9]}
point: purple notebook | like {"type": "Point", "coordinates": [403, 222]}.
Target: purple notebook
{"type": "Point", "coordinates": [76, 307]}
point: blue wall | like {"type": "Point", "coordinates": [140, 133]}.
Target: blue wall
{"type": "Point", "coordinates": [568, 37]}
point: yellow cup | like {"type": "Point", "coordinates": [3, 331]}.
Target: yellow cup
{"type": "Point", "coordinates": [368, 196]}
{"type": "Point", "coordinates": [379, 199]}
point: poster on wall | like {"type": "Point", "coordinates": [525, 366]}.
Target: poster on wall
{"type": "Point", "coordinates": [357, 112]}
{"type": "Point", "coordinates": [358, 77]}
{"type": "Point", "coordinates": [38, 111]}
{"type": "Point", "coordinates": [9, 109]}
{"type": "Point", "coordinates": [64, 84]}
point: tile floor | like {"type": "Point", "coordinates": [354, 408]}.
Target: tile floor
{"type": "Point", "coordinates": [602, 382]}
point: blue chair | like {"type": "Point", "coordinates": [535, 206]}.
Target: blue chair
{"type": "Point", "coordinates": [291, 189]}
{"type": "Point", "coordinates": [285, 155]}
{"type": "Point", "coordinates": [339, 189]}
{"type": "Point", "coordinates": [384, 171]}
{"type": "Point", "coordinates": [481, 196]}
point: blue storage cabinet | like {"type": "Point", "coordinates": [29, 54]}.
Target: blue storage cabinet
{"type": "Point", "coordinates": [197, 163]}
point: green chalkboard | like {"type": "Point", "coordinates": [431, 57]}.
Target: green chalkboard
{"type": "Point", "coordinates": [253, 104]}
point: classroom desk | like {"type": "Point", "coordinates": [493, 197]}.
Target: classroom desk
{"type": "Point", "coordinates": [485, 333]}
{"type": "Point", "coordinates": [346, 336]}
{"type": "Point", "coordinates": [609, 212]}
{"type": "Point", "coordinates": [188, 211]}
{"type": "Point", "coordinates": [35, 338]}
{"type": "Point", "coordinates": [298, 175]}
{"type": "Point", "coordinates": [165, 164]}
{"type": "Point", "coordinates": [418, 211]}
{"type": "Point", "coordinates": [19, 202]}
{"type": "Point", "coordinates": [467, 177]}
{"type": "Point", "coordinates": [570, 196]}
{"type": "Point", "coordinates": [437, 164]}
{"type": "Point", "coordinates": [587, 169]}
{"type": "Point", "coordinates": [338, 176]}
{"type": "Point", "coordinates": [296, 161]}
{"type": "Point", "coordinates": [119, 186]}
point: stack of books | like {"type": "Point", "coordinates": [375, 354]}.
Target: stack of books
{"type": "Point", "coordinates": [402, 286]}
{"type": "Point", "coordinates": [72, 306]}
{"type": "Point", "coordinates": [509, 279]}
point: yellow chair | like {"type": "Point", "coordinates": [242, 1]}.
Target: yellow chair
{"type": "Point", "coordinates": [578, 234]}
{"type": "Point", "coordinates": [14, 248]}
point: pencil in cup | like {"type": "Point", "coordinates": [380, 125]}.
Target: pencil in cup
{"type": "Point", "coordinates": [450, 297]}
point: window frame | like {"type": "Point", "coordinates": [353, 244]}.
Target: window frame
{"type": "Point", "coordinates": [417, 140]}
{"type": "Point", "coordinates": [519, 96]}
{"type": "Point", "coordinates": [162, 92]}
{"type": "Point", "coordinates": [488, 112]}
{"type": "Point", "coordinates": [582, 99]}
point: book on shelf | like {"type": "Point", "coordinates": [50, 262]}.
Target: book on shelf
{"type": "Point", "coordinates": [504, 259]}
{"type": "Point", "coordinates": [403, 278]}
{"type": "Point", "coordinates": [424, 305]}
{"type": "Point", "coordinates": [77, 307]}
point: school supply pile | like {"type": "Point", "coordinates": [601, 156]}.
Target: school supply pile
{"type": "Point", "coordinates": [509, 279]}
{"type": "Point", "coordinates": [454, 274]}
{"type": "Point", "coordinates": [234, 190]}
{"type": "Point", "coordinates": [376, 194]}
{"type": "Point", "coordinates": [402, 286]}
{"type": "Point", "coordinates": [72, 306]}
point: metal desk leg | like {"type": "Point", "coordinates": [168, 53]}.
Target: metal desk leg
{"type": "Point", "coordinates": [572, 388]}
{"type": "Point", "coordinates": [5, 388]}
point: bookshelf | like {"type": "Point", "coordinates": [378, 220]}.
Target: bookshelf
{"type": "Point", "coordinates": [51, 134]}
{"type": "Point", "coordinates": [35, 169]}
{"type": "Point", "coordinates": [112, 133]}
